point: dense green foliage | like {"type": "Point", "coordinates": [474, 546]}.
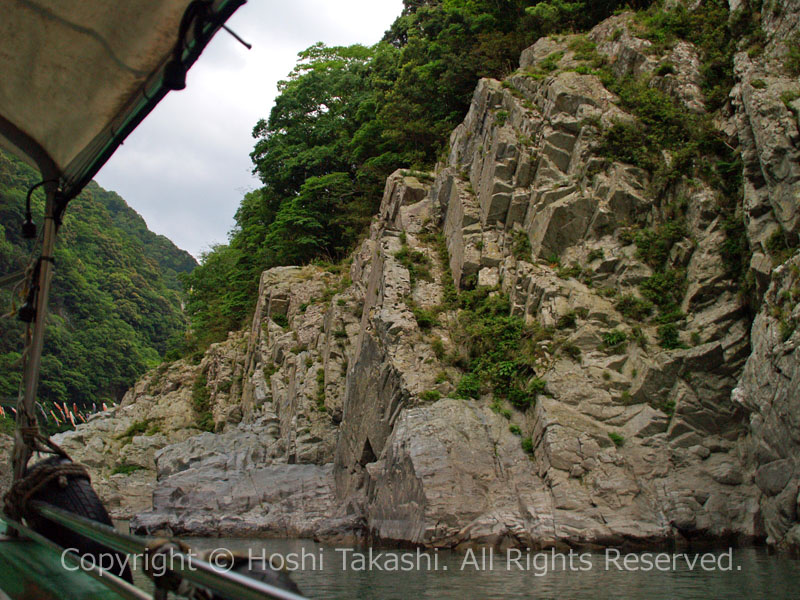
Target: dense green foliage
{"type": "Point", "coordinates": [201, 401]}
{"type": "Point", "coordinates": [697, 148]}
{"type": "Point", "coordinates": [116, 298]}
{"type": "Point", "coordinates": [716, 36]}
{"type": "Point", "coordinates": [498, 350]}
{"type": "Point", "coordinates": [696, 145]}
{"type": "Point", "coordinates": [345, 118]}
{"type": "Point", "coordinates": [126, 468]}
{"type": "Point", "coordinates": [633, 307]}
{"type": "Point", "coordinates": [793, 55]}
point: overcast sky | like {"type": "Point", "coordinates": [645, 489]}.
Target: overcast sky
{"type": "Point", "coordinates": [187, 166]}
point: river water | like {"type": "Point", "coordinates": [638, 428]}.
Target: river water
{"type": "Point", "coordinates": [330, 572]}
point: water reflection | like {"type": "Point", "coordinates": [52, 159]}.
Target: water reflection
{"type": "Point", "coordinates": [743, 573]}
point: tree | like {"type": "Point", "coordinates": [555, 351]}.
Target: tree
{"type": "Point", "coordinates": [115, 298]}
{"type": "Point", "coordinates": [345, 118]}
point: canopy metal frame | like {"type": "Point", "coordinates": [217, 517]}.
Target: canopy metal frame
{"type": "Point", "coordinates": [186, 565]}
{"type": "Point", "coordinates": [26, 415]}
{"type": "Point", "coordinates": [189, 566]}
{"type": "Point", "coordinates": [202, 19]}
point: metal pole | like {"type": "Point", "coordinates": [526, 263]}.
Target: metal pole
{"type": "Point", "coordinates": [26, 415]}
{"type": "Point", "coordinates": [119, 585]}
{"type": "Point", "coordinates": [187, 566]}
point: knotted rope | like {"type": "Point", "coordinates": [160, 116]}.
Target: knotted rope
{"type": "Point", "coordinates": [16, 499]}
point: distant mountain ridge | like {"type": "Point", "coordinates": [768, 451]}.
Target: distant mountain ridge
{"type": "Point", "coordinates": [116, 300]}
{"type": "Point", "coordinates": [170, 258]}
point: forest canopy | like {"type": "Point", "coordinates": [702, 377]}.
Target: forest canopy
{"type": "Point", "coordinates": [116, 299]}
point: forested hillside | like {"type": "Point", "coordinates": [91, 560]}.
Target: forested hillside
{"type": "Point", "coordinates": [116, 299]}
{"type": "Point", "coordinates": [347, 117]}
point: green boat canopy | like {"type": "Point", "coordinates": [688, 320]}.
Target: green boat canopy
{"type": "Point", "coordinates": [79, 75]}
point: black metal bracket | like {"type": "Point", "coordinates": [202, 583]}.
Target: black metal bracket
{"type": "Point", "coordinates": [197, 14]}
{"type": "Point", "coordinates": [27, 312]}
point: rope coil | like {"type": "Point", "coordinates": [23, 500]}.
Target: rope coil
{"type": "Point", "coordinates": [23, 490]}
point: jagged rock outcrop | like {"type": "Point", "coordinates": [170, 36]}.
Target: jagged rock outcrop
{"type": "Point", "coordinates": [119, 445]}
{"type": "Point", "coordinates": [322, 344]}
{"type": "Point", "coordinates": [525, 162]}
{"type": "Point", "coordinates": [770, 390]}
{"type": "Point", "coordinates": [767, 102]}
{"type": "Point", "coordinates": [335, 414]}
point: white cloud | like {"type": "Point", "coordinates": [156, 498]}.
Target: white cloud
{"type": "Point", "coordinates": [186, 167]}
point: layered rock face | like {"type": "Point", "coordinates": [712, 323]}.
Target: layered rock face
{"type": "Point", "coordinates": [119, 446]}
{"type": "Point", "coordinates": [269, 471]}
{"type": "Point", "coordinates": [335, 415]}
{"type": "Point", "coordinates": [767, 103]}
{"type": "Point", "coordinates": [770, 390]}
{"type": "Point", "coordinates": [525, 164]}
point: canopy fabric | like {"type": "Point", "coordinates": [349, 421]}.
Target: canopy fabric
{"type": "Point", "coordinates": [79, 75]}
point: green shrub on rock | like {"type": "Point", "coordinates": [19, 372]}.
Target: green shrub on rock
{"type": "Point", "coordinates": [430, 395]}
{"type": "Point", "coordinates": [634, 308]}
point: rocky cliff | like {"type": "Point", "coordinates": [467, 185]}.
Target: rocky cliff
{"type": "Point", "coordinates": [767, 117]}
{"type": "Point", "coordinates": [539, 343]}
